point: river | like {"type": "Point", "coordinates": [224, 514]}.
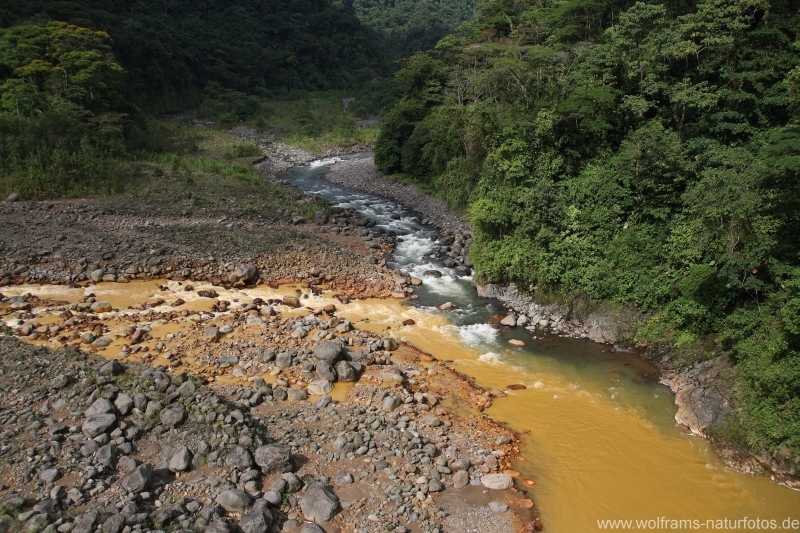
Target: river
{"type": "Point", "coordinates": [599, 431]}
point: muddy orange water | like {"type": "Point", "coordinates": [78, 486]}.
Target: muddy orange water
{"type": "Point", "coordinates": [600, 439]}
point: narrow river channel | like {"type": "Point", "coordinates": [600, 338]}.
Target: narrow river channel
{"type": "Point", "coordinates": [600, 436]}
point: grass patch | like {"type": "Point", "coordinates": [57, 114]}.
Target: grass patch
{"type": "Point", "coordinates": [317, 123]}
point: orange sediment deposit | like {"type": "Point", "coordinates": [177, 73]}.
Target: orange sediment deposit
{"type": "Point", "coordinates": [230, 338]}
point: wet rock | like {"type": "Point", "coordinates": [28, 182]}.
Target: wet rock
{"type": "Point", "coordinates": [497, 481]}
{"type": "Point", "coordinates": [447, 306]}
{"type": "Point", "coordinates": [273, 459]}
{"type": "Point", "coordinates": [137, 479]}
{"type": "Point", "coordinates": [319, 503]}
{"type": "Point", "coordinates": [320, 387]}
{"type": "Point", "coordinates": [291, 301]}
{"type": "Point", "coordinates": [101, 307]}
{"type": "Point", "coordinates": [328, 351]}
{"type": "Point", "coordinates": [98, 424]}
{"type": "Point", "coordinates": [101, 342]}
{"type": "Point", "coordinates": [509, 320]}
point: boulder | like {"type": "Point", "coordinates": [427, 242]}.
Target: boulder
{"type": "Point", "coordinates": [291, 301]}
{"type": "Point", "coordinates": [319, 504]}
{"type": "Point", "coordinates": [246, 273]}
{"type": "Point", "coordinates": [181, 460]}
{"type": "Point", "coordinates": [328, 351]}
{"type": "Point", "coordinates": [345, 372]}
{"type": "Point", "coordinates": [283, 360]}
{"type": "Point", "coordinates": [100, 406]}
{"type": "Point", "coordinates": [497, 481]}
{"type": "Point", "coordinates": [101, 307]}
{"type": "Point", "coordinates": [390, 403]}
{"type": "Point", "coordinates": [320, 387]}
{"type": "Point", "coordinates": [509, 320]}
{"type": "Point", "coordinates": [137, 479]}
{"type": "Point", "coordinates": [325, 371]}
{"type": "Point", "coordinates": [274, 459]}
{"type": "Point", "coordinates": [258, 519]}
{"type": "Point", "coordinates": [234, 500]}
{"type": "Point", "coordinates": [296, 395]}
{"type": "Point", "coordinates": [98, 424]}
{"type": "Point", "coordinates": [239, 458]}
{"type": "Point", "coordinates": [460, 479]}
{"type": "Point", "coordinates": [111, 368]}
{"type": "Point", "coordinates": [173, 414]}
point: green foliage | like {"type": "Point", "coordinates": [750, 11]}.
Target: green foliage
{"type": "Point", "coordinates": [247, 150]}
{"type": "Point", "coordinates": [408, 26]}
{"type": "Point", "coordinates": [643, 154]}
{"type": "Point", "coordinates": [264, 47]}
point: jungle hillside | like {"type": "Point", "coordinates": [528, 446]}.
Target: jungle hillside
{"type": "Point", "coordinates": [643, 154]}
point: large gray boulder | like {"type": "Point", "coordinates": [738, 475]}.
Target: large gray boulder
{"type": "Point", "coordinates": [173, 414]}
{"type": "Point", "coordinates": [274, 459]}
{"type": "Point", "coordinates": [181, 460]}
{"type": "Point", "coordinates": [319, 504]}
{"type": "Point", "coordinates": [98, 424]}
{"type": "Point", "coordinates": [246, 273]}
{"type": "Point", "coordinates": [234, 500]}
{"type": "Point", "coordinates": [137, 479]}
{"type": "Point", "coordinates": [239, 458]}
{"type": "Point", "coordinates": [345, 371]}
{"type": "Point", "coordinates": [328, 351]}
{"type": "Point", "coordinates": [100, 406]}
{"type": "Point", "coordinates": [258, 519]}
{"type": "Point", "coordinates": [325, 371]}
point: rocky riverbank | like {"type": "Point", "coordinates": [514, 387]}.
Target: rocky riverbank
{"type": "Point", "coordinates": [221, 391]}
{"type": "Point", "coordinates": [362, 174]}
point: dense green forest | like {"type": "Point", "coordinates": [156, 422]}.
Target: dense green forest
{"type": "Point", "coordinates": [408, 26]}
{"type": "Point", "coordinates": [80, 81]}
{"type": "Point", "coordinates": [645, 154]}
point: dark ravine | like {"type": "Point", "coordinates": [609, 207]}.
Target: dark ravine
{"type": "Point", "coordinates": [704, 391]}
